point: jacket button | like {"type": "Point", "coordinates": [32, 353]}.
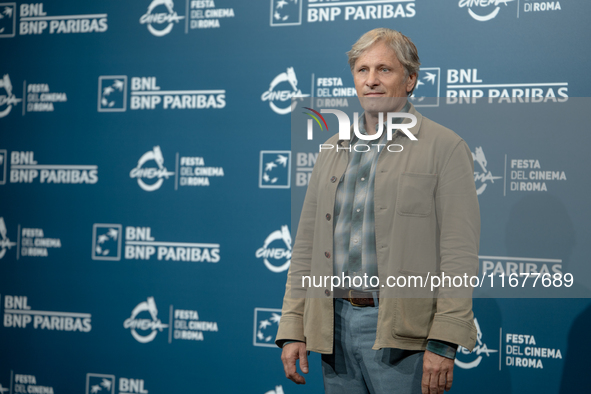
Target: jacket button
{"type": "Point", "coordinates": [328, 216]}
{"type": "Point", "coordinates": [327, 292]}
{"type": "Point", "coordinates": [333, 179]}
{"type": "Point", "coordinates": [327, 254]}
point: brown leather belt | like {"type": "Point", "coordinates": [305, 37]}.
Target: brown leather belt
{"type": "Point", "coordinates": [356, 298]}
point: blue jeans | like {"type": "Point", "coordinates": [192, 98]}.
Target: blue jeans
{"type": "Point", "coordinates": [357, 369]}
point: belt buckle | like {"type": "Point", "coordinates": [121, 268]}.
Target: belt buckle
{"type": "Point", "coordinates": [352, 302]}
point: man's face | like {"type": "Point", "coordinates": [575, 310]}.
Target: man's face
{"type": "Point", "coordinates": [378, 73]}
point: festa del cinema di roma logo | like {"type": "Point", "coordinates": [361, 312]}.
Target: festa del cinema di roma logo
{"type": "Point", "coordinates": [483, 6]}
{"type": "Point", "coordinates": [160, 23]}
{"type": "Point", "coordinates": [478, 351]}
{"type": "Point", "coordinates": [486, 175]}
{"type": "Point", "coordinates": [153, 325]}
{"type": "Point", "coordinates": [274, 94]}
{"type": "Point", "coordinates": [142, 173]}
{"type": "Point", "coordinates": [4, 240]}
{"type": "Point", "coordinates": [268, 252]}
{"type": "Point", "coordinates": [8, 99]}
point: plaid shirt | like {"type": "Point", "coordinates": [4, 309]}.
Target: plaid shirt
{"type": "Point", "coordinates": [354, 223]}
{"type": "Point", "coordinates": [354, 219]}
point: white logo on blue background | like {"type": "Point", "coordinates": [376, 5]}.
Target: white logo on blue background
{"type": "Point", "coordinates": [161, 23]}
{"type": "Point", "coordinates": [100, 384]}
{"type": "Point", "coordinates": [475, 355]}
{"type": "Point", "coordinates": [112, 93]}
{"type": "Point", "coordinates": [143, 325]}
{"type": "Point", "coordinates": [278, 390]}
{"type": "Point", "coordinates": [283, 96]}
{"type": "Point", "coordinates": [8, 100]}
{"type": "Point", "coordinates": [7, 19]}
{"type": "Point", "coordinates": [277, 248]}
{"type": "Point", "coordinates": [160, 173]}
{"type": "Point", "coordinates": [286, 12]}
{"type": "Point", "coordinates": [266, 323]}
{"type": "Point", "coordinates": [106, 242]}
{"type": "Point", "coordinates": [3, 165]}
{"type": "Point", "coordinates": [275, 169]}
{"type": "Point", "coordinates": [5, 243]}
{"type": "Point", "coordinates": [482, 177]}
{"type": "Point", "coordinates": [487, 10]}
{"type": "Point", "coordinates": [427, 88]}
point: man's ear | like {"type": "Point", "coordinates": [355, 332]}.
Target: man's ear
{"type": "Point", "coordinates": [411, 82]}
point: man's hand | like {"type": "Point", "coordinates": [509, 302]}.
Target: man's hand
{"type": "Point", "coordinates": [291, 353]}
{"type": "Point", "coordinates": [437, 373]}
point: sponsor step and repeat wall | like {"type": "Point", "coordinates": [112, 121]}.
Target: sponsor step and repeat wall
{"type": "Point", "coordinates": [146, 173]}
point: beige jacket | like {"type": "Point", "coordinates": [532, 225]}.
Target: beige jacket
{"type": "Point", "coordinates": [427, 221]}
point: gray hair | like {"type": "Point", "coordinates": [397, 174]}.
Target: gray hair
{"type": "Point", "coordinates": [405, 50]}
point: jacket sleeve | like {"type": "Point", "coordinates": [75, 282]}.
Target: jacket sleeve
{"type": "Point", "coordinates": [291, 326]}
{"type": "Point", "coordinates": [458, 217]}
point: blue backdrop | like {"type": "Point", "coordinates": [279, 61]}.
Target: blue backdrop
{"type": "Point", "coordinates": [144, 237]}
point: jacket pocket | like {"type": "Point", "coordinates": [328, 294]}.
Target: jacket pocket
{"type": "Point", "coordinates": [414, 318]}
{"type": "Point", "coordinates": [415, 194]}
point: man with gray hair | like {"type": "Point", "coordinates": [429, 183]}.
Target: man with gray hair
{"type": "Point", "coordinates": [383, 214]}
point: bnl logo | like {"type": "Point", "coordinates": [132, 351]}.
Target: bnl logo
{"type": "Point", "coordinates": [7, 19]}
{"type": "Point", "coordinates": [112, 93]}
{"type": "Point", "coordinates": [106, 241]}
{"type": "Point", "coordinates": [3, 165]}
{"type": "Point", "coordinates": [105, 384]}
{"type": "Point", "coordinates": [286, 12]}
{"type": "Point", "coordinates": [275, 169]}
{"type": "Point", "coordinates": [266, 323]}
{"type": "Point", "coordinates": [427, 88]}
{"type": "Point", "coordinates": [100, 384]}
